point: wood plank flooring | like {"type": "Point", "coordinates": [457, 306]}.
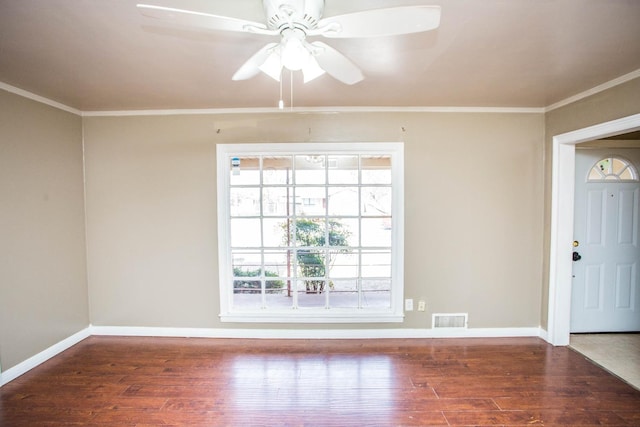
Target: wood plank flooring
{"type": "Point", "coordinates": [129, 381]}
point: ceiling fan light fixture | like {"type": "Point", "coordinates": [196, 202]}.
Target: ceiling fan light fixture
{"type": "Point", "coordinates": [312, 70]}
{"type": "Point", "coordinates": [272, 66]}
{"type": "Point", "coordinates": [294, 53]}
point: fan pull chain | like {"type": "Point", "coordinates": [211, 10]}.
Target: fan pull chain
{"type": "Point", "coordinates": [281, 101]}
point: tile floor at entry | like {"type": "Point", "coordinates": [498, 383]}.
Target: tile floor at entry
{"type": "Point", "coordinates": [617, 353]}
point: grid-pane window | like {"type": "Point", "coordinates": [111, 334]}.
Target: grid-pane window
{"type": "Point", "coordinates": [310, 232]}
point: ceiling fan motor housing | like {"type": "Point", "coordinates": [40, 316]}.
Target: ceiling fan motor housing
{"type": "Point", "coordinates": [300, 14]}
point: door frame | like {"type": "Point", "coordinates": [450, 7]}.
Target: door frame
{"type": "Point", "coordinates": [561, 227]}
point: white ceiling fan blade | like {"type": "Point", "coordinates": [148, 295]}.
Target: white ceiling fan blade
{"type": "Point", "coordinates": [203, 20]}
{"type": "Point", "coordinates": [336, 64]}
{"type": "Point", "coordinates": [252, 66]}
{"type": "Point", "coordinates": [381, 22]}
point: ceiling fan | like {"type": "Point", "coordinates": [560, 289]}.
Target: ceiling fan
{"type": "Point", "coordinates": [295, 20]}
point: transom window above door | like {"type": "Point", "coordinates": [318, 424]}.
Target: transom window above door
{"type": "Point", "coordinates": [612, 169]}
{"type": "Point", "coordinates": [310, 232]}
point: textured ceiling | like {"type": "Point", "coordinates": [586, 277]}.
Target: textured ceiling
{"type": "Point", "coordinates": [103, 55]}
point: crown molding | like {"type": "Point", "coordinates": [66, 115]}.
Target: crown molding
{"type": "Point", "coordinates": [327, 110]}
{"type": "Point", "coordinates": [313, 110]}
{"type": "Point", "coordinates": [38, 98]}
{"type": "Point", "coordinates": [600, 88]}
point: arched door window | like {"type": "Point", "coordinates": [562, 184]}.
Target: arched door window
{"type": "Point", "coordinates": [613, 169]}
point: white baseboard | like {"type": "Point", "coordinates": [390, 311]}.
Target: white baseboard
{"type": "Point", "coordinates": [544, 334]}
{"type": "Point", "coordinates": [315, 333]}
{"type": "Point", "coordinates": [23, 367]}
{"type": "Point", "coordinates": [43, 356]}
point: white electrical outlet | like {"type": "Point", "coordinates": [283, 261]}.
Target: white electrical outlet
{"type": "Point", "coordinates": [422, 305]}
{"type": "Point", "coordinates": [408, 304]}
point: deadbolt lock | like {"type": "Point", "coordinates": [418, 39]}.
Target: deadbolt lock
{"type": "Point", "coordinates": [576, 243]}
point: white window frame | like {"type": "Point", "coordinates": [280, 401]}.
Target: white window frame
{"type": "Point", "coordinates": [228, 313]}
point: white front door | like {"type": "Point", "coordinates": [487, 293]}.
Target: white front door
{"type": "Point", "coordinates": [605, 294]}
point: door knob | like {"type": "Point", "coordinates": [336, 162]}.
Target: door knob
{"type": "Point", "coordinates": [576, 256]}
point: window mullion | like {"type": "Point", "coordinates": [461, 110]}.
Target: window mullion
{"type": "Point", "coordinates": [327, 233]}
{"type": "Point", "coordinates": [293, 220]}
{"type": "Point", "coordinates": [263, 268]}
{"type": "Point", "coordinates": [359, 280]}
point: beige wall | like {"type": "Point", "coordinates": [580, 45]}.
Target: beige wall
{"type": "Point", "coordinates": [473, 212]}
{"type": "Point", "coordinates": [477, 212]}
{"type": "Point", "coordinates": [43, 287]}
{"type": "Point", "coordinates": [620, 101]}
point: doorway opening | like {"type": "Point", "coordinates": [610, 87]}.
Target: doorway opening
{"type": "Point", "coordinates": [562, 210]}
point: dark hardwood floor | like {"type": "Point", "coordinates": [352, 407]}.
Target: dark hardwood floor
{"type": "Point", "coordinates": [126, 381]}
